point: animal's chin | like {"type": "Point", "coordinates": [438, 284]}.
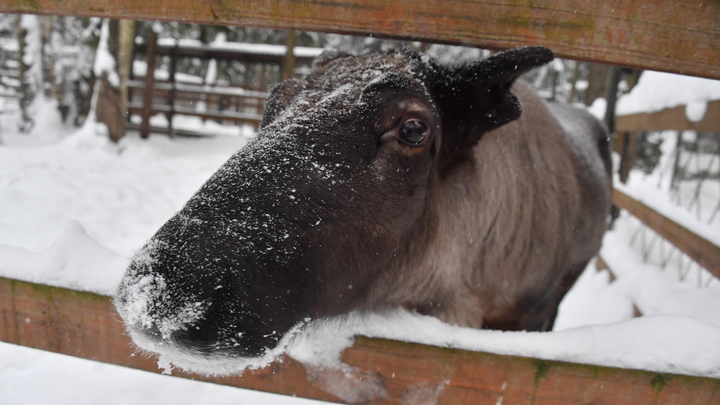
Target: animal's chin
{"type": "Point", "coordinates": [219, 361]}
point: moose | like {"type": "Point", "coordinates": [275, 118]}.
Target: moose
{"type": "Point", "coordinates": [380, 181]}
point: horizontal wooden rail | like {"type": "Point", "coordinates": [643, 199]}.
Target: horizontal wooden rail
{"type": "Point", "coordinates": [231, 91]}
{"type": "Point", "coordinates": [208, 115]}
{"type": "Point", "coordinates": [180, 132]}
{"type": "Point", "coordinates": [670, 119]}
{"type": "Point", "coordinates": [85, 325]}
{"type": "Point", "coordinates": [704, 252]}
{"type": "Point", "coordinates": [681, 36]}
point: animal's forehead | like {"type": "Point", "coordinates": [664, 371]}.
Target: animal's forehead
{"type": "Point", "coordinates": [357, 73]}
{"type": "Point", "coordinates": [335, 89]}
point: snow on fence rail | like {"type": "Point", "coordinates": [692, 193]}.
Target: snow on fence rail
{"type": "Point", "coordinates": [85, 325]}
{"type": "Point", "coordinates": [670, 119]}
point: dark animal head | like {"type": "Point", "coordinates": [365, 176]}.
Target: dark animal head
{"type": "Point", "coordinates": [325, 211]}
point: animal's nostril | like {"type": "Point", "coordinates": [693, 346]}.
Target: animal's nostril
{"type": "Point", "coordinates": [153, 332]}
{"type": "Point", "coordinates": [149, 333]}
{"type": "Point", "coordinates": [182, 338]}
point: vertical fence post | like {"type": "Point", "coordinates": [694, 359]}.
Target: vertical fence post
{"type": "Point", "coordinates": [289, 60]}
{"type": "Point", "coordinates": [149, 89]}
{"type": "Point", "coordinates": [171, 101]}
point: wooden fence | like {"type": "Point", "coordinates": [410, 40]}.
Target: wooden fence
{"type": "Point", "coordinates": [679, 36]}
{"type": "Point", "coordinates": [85, 325]}
{"type": "Point", "coordinates": [225, 103]}
{"type": "Point", "coordinates": [704, 252]}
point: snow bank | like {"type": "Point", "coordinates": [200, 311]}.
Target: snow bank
{"type": "Point", "coordinates": [120, 194]}
{"type": "Point", "coordinates": [32, 376]}
{"type": "Point", "coordinates": [75, 260]}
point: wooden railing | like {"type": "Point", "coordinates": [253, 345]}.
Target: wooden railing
{"type": "Point", "coordinates": [680, 36]}
{"type": "Point", "coordinates": [704, 252]}
{"type": "Point", "coordinates": [238, 105]}
{"type": "Point", "coordinates": [671, 119]}
{"type": "Point", "coordinates": [85, 325]}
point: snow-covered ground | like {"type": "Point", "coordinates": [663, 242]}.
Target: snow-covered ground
{"type": "Point", "coordinates": [74, 206]}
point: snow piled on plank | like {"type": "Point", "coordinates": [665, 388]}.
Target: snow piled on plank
{"type": "Point", "coordinates": [258, 49]}
{"type": "Point", "coordinates": [657, 91]}
{"type": "Point", "coordinates": [75, 260]}
{"type": "Point", "coordinates": [663, 343]}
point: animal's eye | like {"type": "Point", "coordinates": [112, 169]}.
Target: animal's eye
{"type": "Point", "coordinates": [414, 131]}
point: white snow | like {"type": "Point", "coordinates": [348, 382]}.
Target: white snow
{"type": "Point", "coordinates": [695, 110]}
{"type": "Point", "coordinates": [598, 108]}
{"type": "Point", "coordinates": [221, 45]}
{"type": "Point", "coordinates": [29, 376]}
{"type": "Point", "coordinates": [657, 91]}
{"type": "Point", "coordinates": [74, 206]}
{"type": "Point", "coordinates": [104, 61]}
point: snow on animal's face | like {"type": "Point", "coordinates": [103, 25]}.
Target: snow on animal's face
{"type": "Point", "coordinates": [294, 226]}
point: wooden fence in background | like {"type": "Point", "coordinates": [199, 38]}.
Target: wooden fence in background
{"type": "Point", "coordinates": [679, 36]}
{"type": "Point", "coordinates": [223, 103]}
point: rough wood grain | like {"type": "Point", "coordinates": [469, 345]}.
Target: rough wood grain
{"type": "Point", "coordinates": [671, 119]}
{"type": "Point", "coordinates": [706, 253]}
{"type": "Point", "coordinates": [85, 325]}
{"type": "Point", "coordinates": [680, 36]}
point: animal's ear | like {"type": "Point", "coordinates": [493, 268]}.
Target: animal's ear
{"type": "Point", "coordinates": [490, 81]}
{"type": "Point", "coordinates": [278, 99]}
{"type": "Point", "coordinates": [476, 98]}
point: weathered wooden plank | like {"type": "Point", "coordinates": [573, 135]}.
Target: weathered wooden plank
{"type": "Point", "coordinates": [706, 253]}
{"type": "Point", "coordinates": [166, 131]}
{"type": "Point", "coordinates": [483, 378]}
{"type": "Point", "coordinates": [681, 36]}
{"type": "Point", "coordinates": [229, 91]}
{"type": "Point", "coordinates": [85, 325]}
{"type": "Point", "coordinates": [670, 119]}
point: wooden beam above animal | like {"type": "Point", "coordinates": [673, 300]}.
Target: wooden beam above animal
{"type": "Point", "coordinates": [380, 181]}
